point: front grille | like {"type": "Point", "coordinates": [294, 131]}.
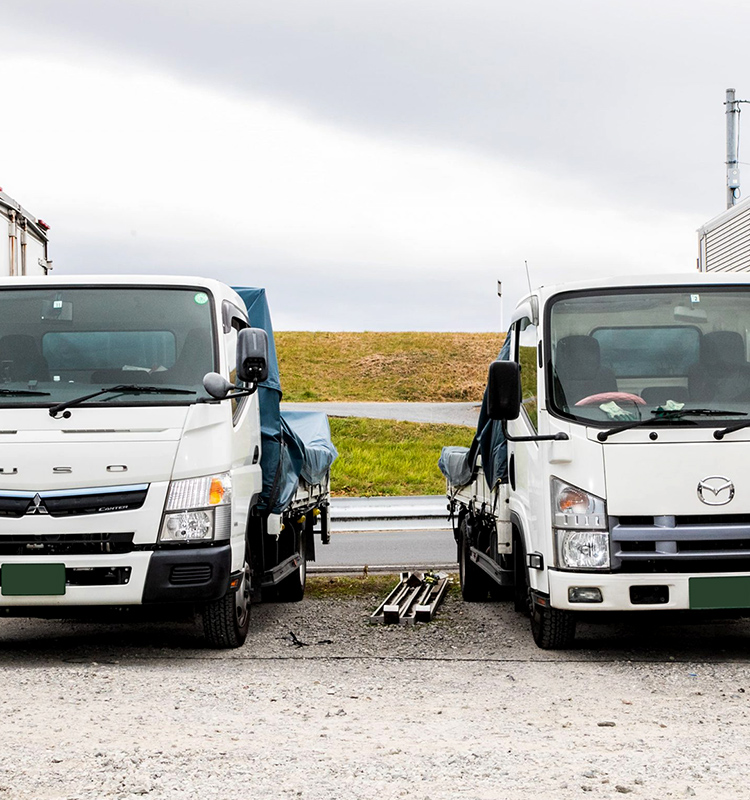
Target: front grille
{"type": "Point", "coordinates": [62, 504]}
{"type": "Point", "coordinates": [649, 595]}
{"type": "Point", "coordinates": [69, 544]}
{"type": "Point", "coordinates": [710, 543]}
{"type": "Point", "coordinates": [690, 519]}
{"type": "Point", "coordinates": [97, 576]}
{"type": "Point", "coordinates": [190, 573]}
{"type": "Point", "coordinates": [636, 520]}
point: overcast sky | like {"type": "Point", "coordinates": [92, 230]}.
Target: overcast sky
{"type": "Point", "coordinates": [375, 164]}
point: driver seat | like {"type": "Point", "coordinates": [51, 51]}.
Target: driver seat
{"type": "Point", "coordinates": [722, 372]}
{"type": "Point", "coordinates": [579, 371]}
{"type": "Point", "coordinates": [20, 359]}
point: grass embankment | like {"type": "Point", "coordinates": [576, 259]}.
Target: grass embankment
{"type": "Point", "coordinates": [421, 367]}
{"type": "Point", "coordinates": [385, 457]}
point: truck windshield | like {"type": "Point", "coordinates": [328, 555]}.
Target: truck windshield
{"type": "Point", "coordinates": [618, 356]}
{"type": "Point", "coordinates": [59, 343]}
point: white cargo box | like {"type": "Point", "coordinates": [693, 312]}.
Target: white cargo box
{"type": "Point", "coordinates": [24, 251]}
{"type": "Point", "coordinates": [724, 241]}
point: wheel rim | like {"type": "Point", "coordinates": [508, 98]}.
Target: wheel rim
{"type": "Point", "coordinates": [242, 598]}
{"type": "Point", "coordinates": [303, 557]}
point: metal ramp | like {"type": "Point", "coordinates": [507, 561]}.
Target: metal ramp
{"type": "Point", "coordinates": [414, 599]}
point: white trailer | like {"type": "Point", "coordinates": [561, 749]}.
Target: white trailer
{"type": "Point", "coordinates": [25, 252]}
{"type": "Point", "coordinates": [609, 471]}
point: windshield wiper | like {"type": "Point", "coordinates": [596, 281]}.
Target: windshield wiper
{"type": "Point", "coordinates": [664, 417]}
{"type": "Point", "coordinates": [125, 388]}
{"type": "Point", "coordinates": [720, 434]}
{"type": "Point", "coordinates": [21, 393]}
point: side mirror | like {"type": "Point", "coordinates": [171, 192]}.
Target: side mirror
{"type": "Point", "coordinates": [252, 355]}
{"type": "Point", "coordinates": [217, 386]}
{"type": "Point", "coordinates": [504, 390]}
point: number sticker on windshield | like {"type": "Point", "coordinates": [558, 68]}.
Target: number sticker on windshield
{"type": "Point", "coordinates": [201, 298]}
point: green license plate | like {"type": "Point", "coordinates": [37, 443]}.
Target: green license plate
{"type": "Point", "coordinates": [32, 579]}
{"type": "Point", "coordinates": [732, 591]}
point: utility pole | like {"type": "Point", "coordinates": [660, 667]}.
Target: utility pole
{"type": "Point", "coordinates": [500, 295]}
{"type": "Point", "coordinates": [733, 167]}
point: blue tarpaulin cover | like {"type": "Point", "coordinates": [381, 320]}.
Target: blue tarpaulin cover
{"type": "Point", "coordinates": [458, 464]}
{"type": "Point", "coordinates": [295, 444]}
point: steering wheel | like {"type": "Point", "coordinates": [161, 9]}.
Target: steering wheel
{"type": "Point", "coordinates": [606, 397]}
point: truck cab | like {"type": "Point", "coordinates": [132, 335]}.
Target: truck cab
{"type": "Point", "coordinates": [624, 410]}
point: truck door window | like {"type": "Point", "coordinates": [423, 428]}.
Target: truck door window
{"type": "Point", "coordinates": [526, 343]}
{"type": "Point", "coordinates": [230, 344]}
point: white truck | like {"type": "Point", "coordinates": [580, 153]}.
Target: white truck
{"type": "Point", "coordinates": [26, 250]}
{"type": "Point", "coordinates": [609, 471]}
{"type": "Point", "coordinates": [143, 458]}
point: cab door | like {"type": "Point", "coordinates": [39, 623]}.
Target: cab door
{"type": "Point", "coordinates": [524, 458]}
{"type": "Point", "coordinates": [247, 479]}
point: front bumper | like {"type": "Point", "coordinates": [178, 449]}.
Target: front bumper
{"type": "Point", "coordinates": [617, 594]}
{"type": "Point", "coordinates": [184, 575]}
{"type": "Point", "coordinates": [188, 575]}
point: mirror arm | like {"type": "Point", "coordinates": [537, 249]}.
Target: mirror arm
{"type": "Point", "coordinates": [251, 389]}
{"type": "Point", "coordinates": [551, 437]}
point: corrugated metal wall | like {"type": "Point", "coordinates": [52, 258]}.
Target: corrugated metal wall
{"type": "Point", "coordinates": [725, 247]}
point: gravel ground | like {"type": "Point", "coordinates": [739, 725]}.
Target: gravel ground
{"type": "Point", "coordinates": [319, 704]}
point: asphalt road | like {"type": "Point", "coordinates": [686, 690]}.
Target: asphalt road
{"type": "Point", "coordinates": [397, 549]}
{"type": "Point", "coordinates": [448, 413]}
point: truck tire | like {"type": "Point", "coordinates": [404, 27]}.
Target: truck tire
{"type": "Point", "coordinates": [292, 588]}
{"type": "Point", "coordinates": [552, 628]}
{"type": "Point", "coordinates": [474, 583]}
{"type": "Point", "coordinates": [226, 621]}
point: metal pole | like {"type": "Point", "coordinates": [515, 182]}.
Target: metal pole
{"type": "Point", "coordinates": [500, 295]}
{"type": "Point", "coordinates": [12, 238]}
{"type": "Point", "coordinates": [733, 167]}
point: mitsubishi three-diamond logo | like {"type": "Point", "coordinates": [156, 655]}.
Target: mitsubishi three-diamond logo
{"type": "Point", "coordinates": [37, 506]}
{"type": "Point", "coordinates": [715, 490]}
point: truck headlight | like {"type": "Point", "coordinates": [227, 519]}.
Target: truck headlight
{"type": "Point", "coordinates": [198, 509]}
{"type": "Point", "coordinates": [579, 521]}
{"type": "Point", "coordinates": [583, 549]}
{"type": "Point", "coordinates": [188, 526]}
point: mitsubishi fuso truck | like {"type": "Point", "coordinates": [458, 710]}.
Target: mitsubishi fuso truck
{"type": "Point", "coordinates": [609, 471]}
{"type": "Point", "coordinates": [143, 456]}
{"type": "Point", "coordinates": [25, 250]}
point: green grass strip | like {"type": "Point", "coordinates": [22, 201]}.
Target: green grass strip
{"type": "Point", "coordinates": [385, 457]}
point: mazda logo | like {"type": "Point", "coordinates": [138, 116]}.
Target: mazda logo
{"type": "Point", "coordinates": [715, 490]}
